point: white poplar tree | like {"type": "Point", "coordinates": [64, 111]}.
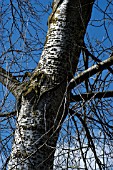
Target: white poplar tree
{"type": "Point", "coordinates": [44, 98]}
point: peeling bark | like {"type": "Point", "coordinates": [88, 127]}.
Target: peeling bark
{"type": "Point", "coordinates": [44, 98]}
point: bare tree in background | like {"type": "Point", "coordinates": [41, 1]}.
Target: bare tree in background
{"type": "Point", "coordinates": [56, 112]}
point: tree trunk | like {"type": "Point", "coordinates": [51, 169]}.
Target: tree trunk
{"type": "Point", "coordinates": [44, 100]}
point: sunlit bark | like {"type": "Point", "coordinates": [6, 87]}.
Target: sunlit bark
{"type": "Point", "coordinates": [43, 100]}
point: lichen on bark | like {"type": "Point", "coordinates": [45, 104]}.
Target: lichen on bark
{"type": "Point", "coordinates": [44, 99]}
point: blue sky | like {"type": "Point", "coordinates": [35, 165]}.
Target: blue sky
{"type": "Point", "coordinates": [19, 61]}
{"type": "Point", "coordinates": [27, 61]}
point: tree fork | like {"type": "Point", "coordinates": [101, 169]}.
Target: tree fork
{"type": "Point", "coordinates": [42, 106]}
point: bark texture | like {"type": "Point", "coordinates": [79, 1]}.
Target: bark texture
{"type": "Point", "coordinates": [44, 99]}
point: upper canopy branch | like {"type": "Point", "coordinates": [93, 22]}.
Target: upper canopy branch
{"type": "Point", "coordinates": [90, 72]}
{"type": "Point", "coordinates": [87, 53]}
{"type": "Point", "coordinates": [88, 96]}
{"type": "Point", "coordinates": [10, 82]}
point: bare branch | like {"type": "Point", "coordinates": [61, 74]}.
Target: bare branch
{"type": "Point", "coordinates": [8, 114]}
{"type": "Point", "coordinates": [90, 72]}
{"type": "Point", "coordinates": [10, 82]}
{"type": "Point", "coordinates": [87, 96]}
{"type": "Point", "coordinates": [89, 137]}
{"type": "Point", "coordinates": [95, 58]}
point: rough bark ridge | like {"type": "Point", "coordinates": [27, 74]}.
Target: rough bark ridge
{"type": "Point", "coordinates": [42, 101]}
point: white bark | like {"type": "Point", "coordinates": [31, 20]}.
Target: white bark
{"type": "Point", "coordinates": [43, 102]}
